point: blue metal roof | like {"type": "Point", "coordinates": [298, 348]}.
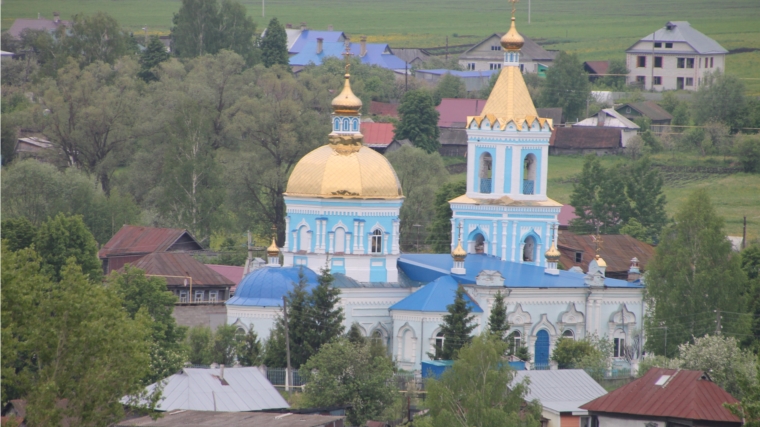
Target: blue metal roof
{"type": "Point", "coordinates": [266, 286]}
{"type": "Point", "coordinates": [307, 36]}
{"type": "Point", "coordinates": [462, 74]}
{"type": "Point", "coordinates": [375, 54]}
{"type": "Point", "coordinates": [434, 296]}
{"type": "Point", "coordinates": [342, 281]}
{"type": "Point", "coordinates": [429, 267]}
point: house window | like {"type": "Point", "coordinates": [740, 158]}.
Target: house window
{"type": "Point", "coordinates": [568, 334]}
{"type": "Point", "coordinates": [514, 341]}
{"type": "Point", "coordinates": [656, 80]}
{"type": "Point", "coordinates": [494, 66]}
{"type": "Point", "coordinates": [212, 295]}
{"type": "Point", "coordinates": [497, 47]}
{"type": "Point", "coordinates": [619, 344]}
{"type": "Point", "coordinates": [198, 296]}
{"type": "Point", "coordinates": [680, 62]}
{"type": "Point", "coordinates": [641, 61]}
{"type": "Point", "coordinates": [689, 81]}
{"type": "Point", "coordinates": [679, 83]}
{"type": "Point", "coordinates": [470, 66]}
{"type": "Point", "coordinates": [668, 45]}
{"type": "Point", "coordinates": [628, 110]}
{"type": "Point", "coordinates": [589, 422]}
{"type": "Point", "coordinates": [579, 257]}
{"type": "Point", "coordinates": [183, 296]}
{"type": "Point", "coordinates": [642, 80]}
{"type": "Point", "coordinates": [658, 62]}
{"type": "Point", "coordinates": [711, 62]}
{"type": "Point", "coordinates": [377, 242]}
{"type": "Point", "coordinates": [658, 44]}
{"type": "Point", "coordinates": [689, 62]}
{"type": "Point", "coordinates": [439, 340]}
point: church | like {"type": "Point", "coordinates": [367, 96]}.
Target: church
{"type": "Point", "coordinates": [343, 201]}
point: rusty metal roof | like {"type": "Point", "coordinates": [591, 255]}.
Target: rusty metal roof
{"type": "Point", "coordinates": [235, 419]}
{"type": "Point", "coordinates": [670, 393]}
{"type": "Point", "coordinates": [585, 137]}
{"type": "Point", "coordinates": [181, 264]}
{"type": "Point", "coordinates": [617, 250]}
{"type": "Point", "coordinates": [132, 239]}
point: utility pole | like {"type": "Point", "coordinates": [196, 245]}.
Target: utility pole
{"type": "Point", "coordinates": [528, 12]}
{"type": "Point", "coordinates": [287, 342]}
{"type": "Point", "coordinates": [717, 322]}
{"type": "Point", "coordinates": [406, 84]}
{"type": "Point", "coordinates": [417, 226]}
{"type": "Point", "coordinates": [263, 2]}
{"type": "Point", "coordinates": [744, 233]}
{"type": "Point", "coordinates": [447, 48]}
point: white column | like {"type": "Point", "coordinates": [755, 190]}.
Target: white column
{"type": "Point", "coordinates": [295, 241]}
{"type": "Point", "coordinates": [331, 249]}
{"type": "Point", "coordinates": [494, 235]}
{"type": "Point", "coordinates": [324, 234]}
{"type": "Point", "coordinates": [522, 247]}
{"type": "Point", "coordinates": [504, 240]}
{"type": "Point", "coordinates": [539, 254]}
{"type": "Point", "coordinates": [316, 236]}
{"type": "Point", "coordinates": [348, 243]}
{"type": "Point", "coordinates": [287, 235]}
{"type": "Point", "coordinates": [516, 170]}
{"type": "Point", "coordinates": [385, 243]}
{"type": "Point", "coordinates": [454, 235]}
{"type": "Point", "coordinates": [544, 168]}
{"type": "Point", "coordinates": [514, 240]}
{"type": "Point", "coordinates": [498, 172]}
{"type": "Point", "coordinates": [361, 238]}
{"type": "Point", "coordinates": [356, 231]}
{"type": "Point", "coordinates": [598, 317]}
{"type": "Point", "coordinates": [589, 315]}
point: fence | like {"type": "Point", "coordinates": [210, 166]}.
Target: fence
{"type": "Point", "coordinates": [276, 376]}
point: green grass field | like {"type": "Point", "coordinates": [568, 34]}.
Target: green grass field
{"type": "Point", "coordinates": [595, 29]}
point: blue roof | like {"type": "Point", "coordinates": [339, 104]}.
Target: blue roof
{"type": "Point", "coordinates": [462, 74]}
{"type": "Point", "coordinates": [377, 54]}
{"type": "Point", "coordinates": [434, 296]}
{"type": "Point", "coordinates": [266, 286]}
{"type": "Point", "coordinates": [307, 36]}
{"type": "Point", "coordinates": [429, 267]}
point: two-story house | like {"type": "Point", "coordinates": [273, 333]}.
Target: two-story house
{"type": "Point", "coordinates": [487, 55]}
{"type": "Point", "coordinates": [674, 57]}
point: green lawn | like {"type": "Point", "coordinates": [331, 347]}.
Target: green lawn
{"type": "Point", "coordinates": [595, 29]}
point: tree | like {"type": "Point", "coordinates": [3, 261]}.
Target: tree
{"type": "Point", "coordinates": [722, 358]}
{"type": "Point", "coordinates": [420, 174]}
{"type": "Point", "coordinates": [456, 328]}
{"type": "Point", "coordinates": [325, 316]}
{"type": "Point", "coordinates": [344, 373]}
{"type": "Point", "coordinates": [199, 340]}
{"type": "Point", "coordinates": [8, 142]}
{"type": "Point", "coordinates": [439, 231]}
{"type": "Point", "coordinates": [748, 153]}
{"type": "Point", "coordinates": [694, 271]}
{"type": "Point", "coordinates": [619, 71]}
{"type": "Point", "coordinates": [567, 86]}
{"type": "Point", "coordinates": [599, 199]}
{"type": "Point", "coordinates": [224, 345]}
{"type": "Point", "coordinates": [68, 339]}
{"type": "Point", "coordinates": [249, 350]}
{"type": "Point", "coordinates": [153, 55]}
{"type": "Point", "coordinates": [720, 98]}
{"type": "Point", "coordinates": [568, 352]}
{"type": "Point", "coordinates": [497, 321]}
{"type": "Point", "coordinates": [274, 46]}
{"type": "Point", "coordinates": [96, 37]}
{"type": "Point", "coordinates": [479, 390]}
{"type": "Point", "coordinates": [61, 238]}
{"type": "Point", "coordinates": [646, 201]}
{"type": "Point", "coordinates": [18, 233]}
{"type": "Point", "coordinates": [449, 86]}
{"type": "Point", "coordinates": [748, 409]}
{"type": "Point", "coordinates": [355, 335]}
{"type": "Point", "coordinates": [418, 120]}
{"type": "Point", "coordinates": [299, 313]}
{"type": "Point", "coordinates": [148, 296]}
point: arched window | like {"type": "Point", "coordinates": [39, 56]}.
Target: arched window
{"type": "Point", "coordinates": [340, 241]}
{"type": "Point", "coordinates": [485, 172]}
{"type": "Point", "coordinates": [568, 333]}
{"type": "Point", "coordinates": [355, 125]}
{"type": "Point", "coordinates": [529, 174]}
{"type": "Point", "coordinates": [480, 244]}
{"type": "Point", "coordinates": [336, 124]}
{"type": "Point", "coordinates": [346, 125]}
{"type": "Point", "coordinates": [618, 340]}
{"type": "Point", "coordinates": [529, 249]}
{"type": "Point", "coordinates": [377, 337]}
{"type": "Point", "coordinates": [303, 239]}
{"type": "Point", "coordinates": [514, 341]}
{"type": "Point", "coordinates": [439, 340]}
{"type": "Point", "coordinates": [377, 242]}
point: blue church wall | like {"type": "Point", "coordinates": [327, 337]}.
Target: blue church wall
{"type": "Point", "coordinates": [338, 265]}
{"type": "Point", "coordinates": [377, 270]}
{"type": "Point", "coordinates": [507, 188]}
{"type": "Point", "coordinates": [493, 231]}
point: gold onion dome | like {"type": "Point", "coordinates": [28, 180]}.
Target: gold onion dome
{"type": "Point", "coordinates": [600, 262]}
{"type": "Point", "coordinates": [346, 103]}
{"type": "Point", "coordinates": [459, 253]}
{"type": "Point", "coordinates": [273, 250]}
{"type": "Point", "coordinates": [512, 40]}
{"type": "Point", "coordinates": [553, 254]}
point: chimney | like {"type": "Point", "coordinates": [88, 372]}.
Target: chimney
{"type": "Point", "coordinates": [319, 45]}
{"type": "Point", "coordinates": [364, 46]}
{"type": "Point", "coordinates": [330, 27]}
{"type": "Point", "coordinates": [221, 372]}
{"type": "Point", "coordinates": [600, 118]}
{"type": "Point", "coordinates": [288, 25]}
{"type": "Point", "coordinates": [634, 273]}
{"type": "Point", "coordinates": [56, 17]}
{"type": "Point", "coordinates": [303, 26]}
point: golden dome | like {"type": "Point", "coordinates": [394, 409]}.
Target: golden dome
{"type": "Point", "coordinates": [273, 250]}
{"type": "Point", "coordinates": [600, 262]}
{"type": "Point", "coordinates": [344, 169]}
{"type": "Point", "coordinates": [459, 253]}
{"type": "Point", "coordinates": [346, 103]}
{"type": "Point", "coordinates": [512, 40]}
{"type": "Point", "coordinates": [553, 254]}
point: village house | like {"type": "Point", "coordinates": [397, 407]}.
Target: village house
{"type": "Point", "coordinates": [389, 109]}
{"type": "Point", "coordinates": [474, 81]}
{"type": "Point", "coordinates": [618, 250]}
{"type": "Point", "coordinates": [675, 57]}
{"type": "Point", "coordinates": [132, 242]}
{"type": "Point", "coordinates": [316, 51]}
{"type": "Point", "coordinates": [452, 118]}
{"type": "Point", "coordinates": [487, 55]}
{"type": "Point", "coordinates": [297, 38]}
{"type": "Point", "coordinates": [39, 24]}
{"type": "Point", "coordinates": [609, 118]}
{"type": "Point", "coordinates": [596, 69]}
{"type": "Point", "coordinates": [584, 140]}
{"type": "Point", "coordinates": [183, 418]}
{"type": "Point", "coordinates": [663, 397]}
{"type": "Point", "coordinates": [380, 137]}
{"type": "Point", "coordinates": [659, 117]}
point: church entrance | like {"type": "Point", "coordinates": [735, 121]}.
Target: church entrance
{"type": "Point", "coordinates": [542, 350]}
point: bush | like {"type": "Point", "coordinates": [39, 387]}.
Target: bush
{"type": "Point", "coordinates": [748, 151]}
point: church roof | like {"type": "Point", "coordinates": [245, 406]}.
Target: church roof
{"type": "Point", "coordinates": [510, 98]}
{"type": "Point", "coordinates": [266, 286]}
{"type": "Point", "coordinates": [434, 296]}
{"type": "Point", "coordinates": [429, 267]}
{"type": "Point", "coordinates": [504, 201]}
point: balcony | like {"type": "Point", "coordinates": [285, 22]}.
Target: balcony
{"type": "Point", "coordinates": [529, 186]}
{"type": "Point", "coordinates": [485, 185]}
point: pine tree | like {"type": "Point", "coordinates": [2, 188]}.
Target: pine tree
{"type": "Point", "coordinates": [439, 233]}
{"type": "Point", "coordinates": [643, 187]}
{"type": "Point", "coordinates": [457, 327]}
{"type": "Point", "coordinates": [355, 335]}
{"type": "Point", "coordinates": [497, 321]}
{"type": "Point", "coordinates": [599, 199]}
{"type": "Point", "coordinates": [325, 316]}
{"type": "Point", "coordinates": [274, 46]}
{"type": "Point", "coordinates": [249, 348]}
{"type": "Point", "coordinates": [418, 120]}
{"type": "Point", "coordinates": [153, 55]}
{"type": "Point", "coordinates": [567, 86]}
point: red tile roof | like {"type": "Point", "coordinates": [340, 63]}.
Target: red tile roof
{"type": "Point", "coordinates": [141, 240]}
{"type": "Point", "coordinates": [453, 112]}
{"type": "Point", "coordinates": [181, 264]}
{"type": "Point", "coordinates": [383, 109]}
{"type": "Point", "coordinates": [599, 67]}
{"type": "Point", "coordinates": [687, 395]}
{"type": "Point", "coordinates": [585, 137]}
{"type": "Point", "coordinates": [377, 134]}
{"type": "Point", "coordinates": [232, 272]}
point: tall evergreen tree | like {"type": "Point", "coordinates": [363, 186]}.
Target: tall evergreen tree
{"type": "Point", "coordinates": [274, 45]}
{"type": "Point", "coordinates": [355, 336]}
{"type": "Point", "coordinates": [439, 232]}
{"type": "Point", "coordinates": [457, 327]}
{"type": "Point", "coordinates": [643, 186]}
{"type": "Point", "coordinates": [567, 86]}
{"type": "Point", "coordinates": [299, 330]}
{"type": "Point", "coordinates": [249, 348]}
{"type": "Point", "coordinates": [694, 276]}
{"type": "Point", "coordinates": [599, 199]}
{"type": "Point", "coordinates": [153, 55]}
{"type": "Point", "coordinates": [325, 317]}
{"type": "Point", "coordinates": [418, 120]}
{"type": "Point", "coordinates": [497, 321]}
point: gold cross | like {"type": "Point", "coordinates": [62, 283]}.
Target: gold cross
{"type": "Point", "coordinates": [347, 54]}
{"type": "Point", "coordinates": [598, 240]}
{"type": "Point", "coordinates": [460, 231]}
{"type": "Point", "coordinates": [514, 7]}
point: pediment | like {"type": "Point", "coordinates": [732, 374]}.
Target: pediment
{"type": "Point", "coordinates": [519, 317]}
{"type": "Point", "coordinates": [490, 278]}
{"type": "Point", "coordinates": [572, 316]}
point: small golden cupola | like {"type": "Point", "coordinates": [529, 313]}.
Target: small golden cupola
{"type": "Point", "coordinates": [552, 257]}
{"type": "Point", "coordinates": [346, 103]}
{"type": "Point", "coordinates": [459, 255]}
{"type": "Point", "coordinates": [512, 40]}
{"type": "Point", "coordinates": [273, 254]}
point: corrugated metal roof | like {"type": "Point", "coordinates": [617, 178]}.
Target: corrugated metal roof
{"type": "Point", "coordinates": [266, 286]}
{"type": "Point", "coordinates": [611, 119]}
{"type": "Point", "coordinates": [181, 264]}
{"type": "Point", "coordinates": [682, 31]}
{"type": "Point", "coordinates": [531, 51]}
{"type": "Point", "coordinates": [686, 394]}
{"type": "Point", "coordinates": [377, 134]}
{"type": "Point", "coordinates": [234, 419]}
{"type": "Point", "coordinates": [232, 272]}
{"type": "Point", "coordinates": [131, 239]}
{"type": "Point", "coordinates": [585, 138]}
{"type": "Point", "coordinates": [376, 54]}
{"type": "Point", "coordinates": [617, 251]}
{"type": "Point", "coordinates": [200, 389]}
{"type": "Point", "coordinates": [343, 281]}
{"type": "Point", "coordinates": [647, 108]}
{"type": "Point", "coordinates": [310, 36]}
{"type": "Point", "coordinates": [566, 214]}
{"type": "Point", "coordinates": [554, 113]}
{"type": "Point", "coordinates": [434, 296]}
{"type": "Point", "coordinates": [563, 390]}
{"type": "Point", "coordinates": [453, 112]}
